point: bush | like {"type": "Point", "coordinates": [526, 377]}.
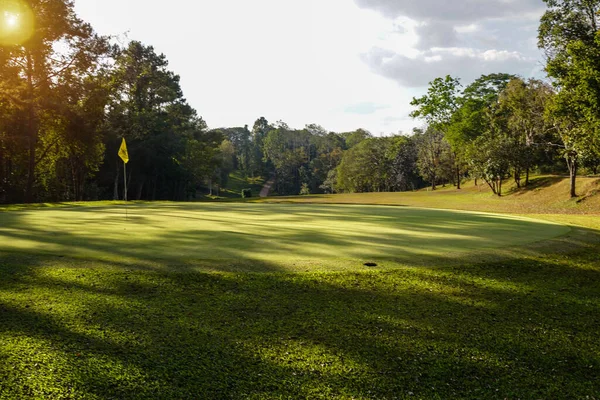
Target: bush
{"type": "Point", "coordinates": [305, 190]}
{"type": "Point", "coordinates": [246, 193]}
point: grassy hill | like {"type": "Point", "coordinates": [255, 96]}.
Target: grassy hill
{"type": "Point", "coordinates": [544, 195]}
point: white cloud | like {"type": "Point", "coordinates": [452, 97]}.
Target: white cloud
{"type": "Point", "coordinates": [312, 61]}
{"type": "Point", "coordinates": [465, 63]}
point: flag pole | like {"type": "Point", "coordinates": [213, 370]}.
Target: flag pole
{"type": "Point", "coordinates": [125, 157]}
{"type": "Point", "coordinates": [125, 186]}
{"type": "Point", "coordinates": [125, 179]}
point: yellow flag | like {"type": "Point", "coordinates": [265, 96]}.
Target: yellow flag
{"type": "Point", "coordinates": [123, 152]}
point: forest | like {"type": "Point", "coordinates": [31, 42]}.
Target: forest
{"type": "Point", "coordinates": [68, 97]}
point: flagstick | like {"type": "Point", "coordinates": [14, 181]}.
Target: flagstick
{"type": "Point", "coordinates": [125, 185]}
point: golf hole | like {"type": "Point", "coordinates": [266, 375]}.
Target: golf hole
{"type": "Point", "coordinates": [370, 264]}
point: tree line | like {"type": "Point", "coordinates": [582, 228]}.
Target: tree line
{"type": "Point", "coordinates": [68, 96]}
{"type": "Point", "coordinates": [498, 127]}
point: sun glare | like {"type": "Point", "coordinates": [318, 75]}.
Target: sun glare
{"type": "Point", "coordinates": [17, 22]}
{"type": "Point", "coordinates": [11, 20]}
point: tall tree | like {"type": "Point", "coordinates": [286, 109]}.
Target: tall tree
{"type": "Point", "coordinates": [56, 44]}
{"type": "Point", "coordinates": [568, 35]}
{"type": "Point", "coordinates": [148, 108]}
{"type": "Point", "coordinates": [438, 107]}
{"type": "Point", "coordinates": [524, 104]}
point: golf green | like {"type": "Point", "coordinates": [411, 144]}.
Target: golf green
{"type": "Point", "coordinates": [267, 236]}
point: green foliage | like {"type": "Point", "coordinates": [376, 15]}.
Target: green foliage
{"type": "Point", "coordinates": [435, 159]}
{"type": "Point", "coordinates": [305, 189]}
{"type": "Point", "coordinates": [378, 165]}
{"type": "Point", "coordinates": [490, 159]}
{"type": "Point", "coordinates": [51, 93]}
{"type": "Point", "coordinates": [568, 34]}
{"type": "Point", "coordinates": [246, 193]}
{"type": "Point", "coordinates": [439, 104]}
{"type": "Point", "coordinates": [354, 138]}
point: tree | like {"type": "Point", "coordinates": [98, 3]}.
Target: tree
{"type": "Point", "coordinates": [489, 159]}
{"type": "Point", "coordinates": [524, 104]}
{"type": "Point", "coordinates": [168, 142]}
{"type": "Point", "coordinates": [259, 131]}
{"type": "Point", "coordinates": [568, 35]}
{"type": "Point", "coordinates": [438, 107]}
{"type": "Point", "coordinates": [35, 67]}
{"type": "Point", "coordinates": [287, 150]}
{"type": "Point", "coordinates": [433, 153]}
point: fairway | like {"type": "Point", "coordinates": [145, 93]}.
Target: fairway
{"type": "Point", "coordinates": [262, 236]}
{"type": "Point", "coordinates": [160, 306]}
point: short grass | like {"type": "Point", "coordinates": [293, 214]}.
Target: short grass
{"type": "Point", "coordinates": [264, 237]}
{"type": "Point", "coordinates": [92, 306]}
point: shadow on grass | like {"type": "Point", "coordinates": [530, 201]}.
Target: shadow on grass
{"type": "Point", "coordinates": [525, 329]}
{"type": "Point", "coordinates": [519, 327]}
{"type": "Point", "coordinates": [214, 236]}
{"type": "Point", "coordinates": [537, 183]}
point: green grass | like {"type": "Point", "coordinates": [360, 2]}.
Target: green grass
{"type": "Point", "coordinates": [545, 195]}
{"type": "Point", "coordinates": [264, 237]}
{"type": "Point", "coordinates": [165, 305]}
{"type": "Point", "coordinates": [238, 182]}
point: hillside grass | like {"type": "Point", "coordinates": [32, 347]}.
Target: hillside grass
{"type": "Point", "coordinates": [238, 182]}
{"type": "Point", "coordinates": [89, 310]}
{"type": "Point", "coordinates": [545, 195]}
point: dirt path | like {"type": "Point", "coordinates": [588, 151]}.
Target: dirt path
{"type": "Point", "coordinates": [267, 188]}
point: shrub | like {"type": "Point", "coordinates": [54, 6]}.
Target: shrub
{"type": "Point", "coordinates": [246, 193]}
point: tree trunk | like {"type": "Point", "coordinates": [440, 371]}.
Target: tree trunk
{"type": "Point", "coordinates": [140, 189]}
{"type": "Point", "coordinates": [116, 186]}
{"type": "Point", "coordinates": [500, 187]}
{"type": "Point", "coordinates": [31, 131]}
{"type": "Point", "coordinates": [527, 176]}
{"type": "Point", "coordinates": [457, 176]}
{"type": "Point", "coordinates": [572, 164]}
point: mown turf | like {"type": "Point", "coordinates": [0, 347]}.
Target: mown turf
{"type": "Point", "coordinates": [89, 312]}
{"type": "Point", "coordinates": [253, 237]}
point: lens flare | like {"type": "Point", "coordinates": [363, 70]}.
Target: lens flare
{"type": "Point", "coordinates": [12, 20]}
{"type": "Point", "coordinates": [16, 22]}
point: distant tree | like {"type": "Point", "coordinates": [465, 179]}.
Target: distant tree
{"type": "Point", "coordinates": [168, 143]}
{"type": "Point", "coordinates": [437, 109]}
{"type": "Point", "coordinates": [377, 165]}
{"type": "Point", "coordinates": [287, 150]}
{"type": "Point", "coordinates": [259, 131]}
{"type": "Point", "coordinates": [489, 159]}
{"type": "Point", "coordinates": [524, 104]}
{"type": "Point", "coordinates": [355, 137]}
{"type": "Point", "coordinates": [433, 152]}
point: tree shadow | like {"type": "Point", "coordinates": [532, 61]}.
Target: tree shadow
{"type": "Point", "coordinates": [519, 326]}
{"type": "Point", "coordinates": [471, 331]}
{"type": "Point", "coordinates": [270, 238]}
{"type": "Point", "coordinates": [537, 183]}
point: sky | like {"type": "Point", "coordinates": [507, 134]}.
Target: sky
{"type": "Point", "coordinates": [342, 64]}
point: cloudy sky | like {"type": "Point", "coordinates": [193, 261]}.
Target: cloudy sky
{"type": "Point", "coordinates": [343, 64]}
